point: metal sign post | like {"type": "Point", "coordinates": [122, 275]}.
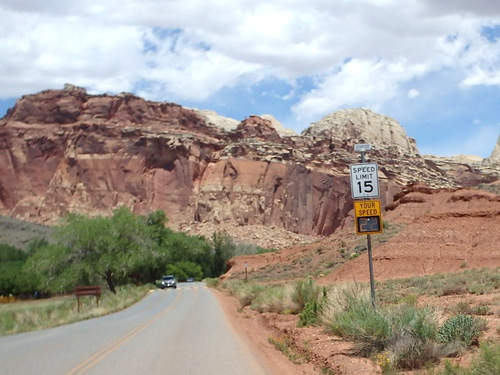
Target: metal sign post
{"type": "Point", "coordinates": [364, 184]}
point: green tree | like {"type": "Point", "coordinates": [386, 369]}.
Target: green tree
{"type": "Point", "coordinates": [224, 249]}
{"type": "Point", "coordinates": [115, 248]}
{"type": "Point", "coordinates": [52, 271]}
{"type": "Point", "coordinates": [180, 247]}
{"type": "Point", "coordinates": [11, 263]}
{"type": "Point", "coordinates": [156, 222]}
{"type": "Point", "coordinates": [121, 249]}
{"type": "Point", "coordinates": [175, 247]}
{"type": "Point", "coordinates": [35, 244]}
{"type": "Point", "coordinates": [183, 270]}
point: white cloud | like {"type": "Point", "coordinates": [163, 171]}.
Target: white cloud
{"type": "Point", "coordinates": [484, 8]}
{"type": "Point", "coordinates": [413, 94]}
{"type": "Point", "coordinates": [43, 51]}
{"type": "Point", "coordinates": [366, 53]}
{"type": "Point", "coordinates": [358, 84]}
{"type": "Point", "coordinates": [250, 40]}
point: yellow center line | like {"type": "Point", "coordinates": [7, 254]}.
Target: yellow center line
{"type": "Point", "coordinates": [103, 353]}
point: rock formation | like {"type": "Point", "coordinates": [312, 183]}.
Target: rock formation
{"type": "Point", "coordinates": [66, 151]}
{"type": "Point", "coordinates": [495, 155]}
{"type": "Point", "coordinates": [347, 127]}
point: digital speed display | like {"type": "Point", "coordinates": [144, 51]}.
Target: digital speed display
{"type": "Point", "coordinates": [368, 225]}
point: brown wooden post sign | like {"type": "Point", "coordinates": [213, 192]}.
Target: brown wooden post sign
{"type": "Point", "coordinates": [92, 290]}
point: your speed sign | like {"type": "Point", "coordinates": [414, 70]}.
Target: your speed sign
{"type": "Point", "coordinates": [364, 180]}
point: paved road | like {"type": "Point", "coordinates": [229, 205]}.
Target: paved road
{"type": "Point", "coordinates": [174, 331]}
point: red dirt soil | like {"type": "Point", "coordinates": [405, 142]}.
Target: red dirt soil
{"type": "Point", "coordinates": [442, 232]}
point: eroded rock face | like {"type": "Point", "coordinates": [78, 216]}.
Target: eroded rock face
{"type": "Point", "coordinates": [347, 127]}
{"type": "Point", "coordinates": [66, 151]}
{"type": "Point", "coordinates": [495, 155]}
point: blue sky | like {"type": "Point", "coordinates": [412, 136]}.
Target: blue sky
{"type": "Point", "coordinates": [434, 66]}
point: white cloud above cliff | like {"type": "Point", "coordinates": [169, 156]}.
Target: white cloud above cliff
{"type": "Point", "coordinates": [432, 65]}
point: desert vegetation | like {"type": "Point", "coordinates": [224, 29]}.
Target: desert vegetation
{"type": "Point", "coordinates": [404, 332]}
{"type": "Point", "coordinates": [114, 251]}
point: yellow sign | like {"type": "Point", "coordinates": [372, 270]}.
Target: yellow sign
{"type": "Point", "coordinates": [368, 217]}
{"type": "Point", "coordinates": [367, 208]}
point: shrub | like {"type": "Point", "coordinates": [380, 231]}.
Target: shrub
{"type": "Point", "coordinates": [463, 308]}
{"type": "Point", "coordinates": [348, 312]}
{"type": "Point", "coordinates": [462, 328]}
{"type": "Point", "coordinates": [404, 332]}
{"type": "Point", "coordinates": [273, 298]}
{"type": "Point", "coordinates": [410, 299]}
{"type": "Point", "coordinates": [310, 314]}
{"type": "Point", "coordinates": [453, 290]}
{"type": "Point", "coordinates": [487, 363]}
{"type": "Point", "coordinates": [244, 292]}
{"type": "Point", "coordinates": [411, 352]}
{"type": "Point", "coordinates": [482, 310]}
{"type": "Point", "coordinates": [419, 322]}
{"type": "Point", "coordinates": [212, 282]}
{"type": "Point", "coordinates": [305, 291]}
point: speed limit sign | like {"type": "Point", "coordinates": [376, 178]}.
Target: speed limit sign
{"type": "Point", "coordinates": [364, 180]}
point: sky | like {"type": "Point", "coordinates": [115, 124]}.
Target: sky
{"type": "Point", "coordinates": [432, 65]}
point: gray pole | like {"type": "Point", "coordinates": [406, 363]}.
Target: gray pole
{"type": "Point", "coordinates": [370, 261]}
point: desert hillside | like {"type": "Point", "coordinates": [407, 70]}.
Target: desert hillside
{"type": "Point", "coordinates": [427, 231]}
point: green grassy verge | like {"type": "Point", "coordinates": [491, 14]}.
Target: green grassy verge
{"type": "Point", "coordinates": [27, 316]}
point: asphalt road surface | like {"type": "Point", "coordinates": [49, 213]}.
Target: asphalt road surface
{"type": "Point", "coordinates": [173, 331]}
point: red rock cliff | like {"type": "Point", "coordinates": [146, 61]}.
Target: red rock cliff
{"type": "Point", "coordinates": [66, 151]}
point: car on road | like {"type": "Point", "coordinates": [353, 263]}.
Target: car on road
{"type": "Point", "coordinates": [168, 282]}
{"type": "Point", "coordinates": [189, 280]}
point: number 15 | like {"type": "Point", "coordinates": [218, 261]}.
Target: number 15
{"type": "Point", "coordinates": [366, 187]}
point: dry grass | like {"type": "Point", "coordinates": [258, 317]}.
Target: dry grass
{"type": "Point", "coordinates": [24, 316]}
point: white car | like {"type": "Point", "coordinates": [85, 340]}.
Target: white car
{"type": "Point", "coordinates": [168, 282]}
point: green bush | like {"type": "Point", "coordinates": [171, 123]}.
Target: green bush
{"type": "Point", "coordinates": [310, 314]}
{"type": "Point", "coordinates": [406, 333]}
{"type": "Point", "coordinates": [348, 313]}
{"type": "Point", "coordinates": [308, 293]}
{"type": "Point", "coordinates": [305, 291]}
{"type": "Point", "coordinates": [412, 336]}
{"type": "Point", "coordinates": [263, 298]}
{"type": "Point", "coordinates": [482, 310]}
{"type": "Point", "coordinates": [486, 363]}
{"type": "Point", "coordinates": [419, 322]}
{"type": "Point", "coordinates": [12, 279]}
{"type": "Point", "coordinates": [462, 328]}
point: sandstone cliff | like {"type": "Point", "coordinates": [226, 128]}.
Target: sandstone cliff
{"type": "Point", "coordinates": [66, 151]}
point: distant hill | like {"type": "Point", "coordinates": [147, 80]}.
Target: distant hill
{"type": "Point", "coordinates": [20, 233]}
